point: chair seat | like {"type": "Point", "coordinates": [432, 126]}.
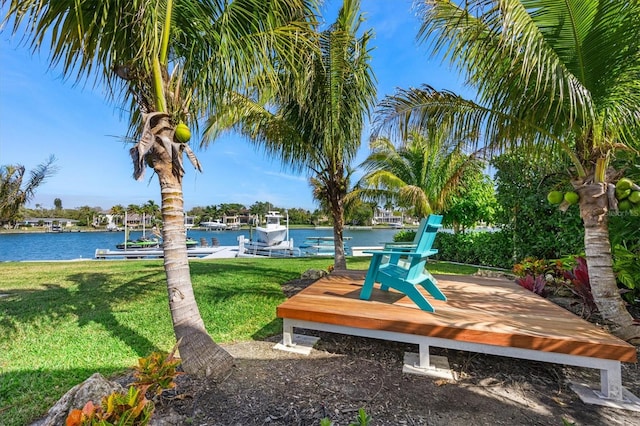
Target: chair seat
{"type": "Point", "coordinates": [398, 272]}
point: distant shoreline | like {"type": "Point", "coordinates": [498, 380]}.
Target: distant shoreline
{"type": "Point", "coordinates": [43, 230]}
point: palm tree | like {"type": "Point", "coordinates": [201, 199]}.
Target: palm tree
{"type": "Point", "coordinates": [15, 192]}
{"type": "Point", "coordinates": [151, 210]}
{"type": "Point", "coordinates": [314, 122]}
{"type": "Point", "coordinates": [117, 212]}
{"type": "Point", "coordinates": [170, 61]}
{"type": "Point", "coordinates": [550, 76]}
{"type": "Point", "coordinates": [421, 174]}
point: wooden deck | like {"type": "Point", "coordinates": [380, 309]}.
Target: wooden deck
{"type": "Point", "coordinates": [486, 315]}
{"type": "Point", "coordinates": [479, 310]}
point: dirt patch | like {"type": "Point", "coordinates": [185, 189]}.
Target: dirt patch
{"type": "Point", "coordinates": [345, 373]}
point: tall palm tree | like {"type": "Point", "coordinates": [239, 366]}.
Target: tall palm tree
{"type": "Point", "coordinates": [314, 121]}
{"type": "Point", "coordinates": [550, 75]}
{"type": "Point", "coordinates": [15, 192]}
{"type": "Point", "coordinates": [421, 174]}
{"type": "Point", "coordinates": [170, 61]}
{"type": "Point", "coordinates": [117, 212]}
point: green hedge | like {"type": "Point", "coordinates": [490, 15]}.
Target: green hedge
{"type": "Point", "coordinates": [476, 248]}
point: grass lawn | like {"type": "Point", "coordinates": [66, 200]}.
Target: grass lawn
{"type": "Point", "coordinates": [60, 322]}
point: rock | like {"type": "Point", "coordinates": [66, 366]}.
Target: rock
{"type": "Point", "coordinates": [313, 274]}
{"type": "Point", "coordinates": [93, 389]}
{"type": "Point", "coordinates": [493, 274]}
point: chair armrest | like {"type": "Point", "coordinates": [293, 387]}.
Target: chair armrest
{"type": "Point", "coordinates": [406, 253]}
{"type": "Point", "coordinates": [400, 246]}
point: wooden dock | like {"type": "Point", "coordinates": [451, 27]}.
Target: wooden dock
{"type": "Point", "coordinates": [485, 315]}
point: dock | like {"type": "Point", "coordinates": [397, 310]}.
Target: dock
{"type": "Point", "coordinates": [216, 252]}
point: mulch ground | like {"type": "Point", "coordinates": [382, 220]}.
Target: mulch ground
{"type": "Point", "coordinates": [346, 373]}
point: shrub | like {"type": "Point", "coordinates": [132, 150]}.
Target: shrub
{"type": "Point", "coordinates": [624, 231]}
{"type": "Point", "coordinates": [154, 374]}
{"type": "Point", "coordinates": [535, 285]}
{"type": "Point", "coordinates": [404, 236]}
{"type": "Point", "coordinates": [123, 409]}
{"type": "Point", "coordinates": [577, 280]}
{"type": "Point", "coordinates": [476, 248]}
{"type": "Point", "coordinates": [157, 372]}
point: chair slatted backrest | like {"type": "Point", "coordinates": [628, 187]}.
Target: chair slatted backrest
{"type": "Point", "coordinates": [428, 234]}
{"type": "Point", "coordinates": [416, 265]}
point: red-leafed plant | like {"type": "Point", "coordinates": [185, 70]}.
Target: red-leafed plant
{"type": "Point", "coordinates": [532, 274]}
{"type": "Point", "coordinates": [535, 285]}
{"type": "Point", "coordinates": [577, 280]}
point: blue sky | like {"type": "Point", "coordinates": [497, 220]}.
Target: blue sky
{"type": "Point", "coordinates": [41, 114]}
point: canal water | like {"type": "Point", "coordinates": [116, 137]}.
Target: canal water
{"type": "Point", "coordinates": [83, 245]}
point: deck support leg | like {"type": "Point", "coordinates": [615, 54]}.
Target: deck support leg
{"type": "Point", "coordinates": [287, 333]}
{"type": "Point", "coordinates": [424, 364]}
{"type": "Point", "coordinates": [611, 393]}
{"type": "Point", "coordinates": [424, 356]}
{"type": "Point", "coordinates": [611, 382]}
{"type": "Point", "coordinates": [297, 343]}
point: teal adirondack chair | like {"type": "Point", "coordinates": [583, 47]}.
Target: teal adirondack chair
{"type": "Point", "coordinates": [404, 269]}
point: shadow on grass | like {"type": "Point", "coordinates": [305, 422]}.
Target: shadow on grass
{"type": "Point", "coordinates": [92, 301]}
{"type": "Point", "coordinates": [219, 281]}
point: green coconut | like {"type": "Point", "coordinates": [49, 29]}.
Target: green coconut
{"type": "Point", "coordinates": [571, 197]}
{"type": "Point", "coordinates": [555, 197]}
{"type": "Point", "coordinates": [183, 134]}
{"type": "Point", "coordinates": [624, 205]}
{"type": "Point", "coordinates": [624, 184]}
{"type": "Point", "coordinates": [621, 194]}
{"type": "Point", "coordinates": [634, 197]}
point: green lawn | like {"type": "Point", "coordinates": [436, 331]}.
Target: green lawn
{"type": "Point", "coordinates": [62, 321]}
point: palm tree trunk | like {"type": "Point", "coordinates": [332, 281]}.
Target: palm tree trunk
{"type": "Point", "coordinates": [593, 210]}
{"type": "Point", "coordinates": [337, 213]}
{"type": "Point", "coordinates": [199, 353]}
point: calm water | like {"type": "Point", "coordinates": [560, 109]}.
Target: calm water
{"type": "Point", "coordinates": [82, 245]}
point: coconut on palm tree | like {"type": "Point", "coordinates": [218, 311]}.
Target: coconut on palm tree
{"type": "Point", "coordinates": [170, 62]}
{"type": "Point", "coordinates": [313, 121]}
{"type": "Point", "coordinates": [549, 76]}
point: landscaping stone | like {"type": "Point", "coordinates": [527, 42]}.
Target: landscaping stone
{"type": "Point", "coordinates": [313, 274]}
{"type": "Point", "coordinates": [93, 389]}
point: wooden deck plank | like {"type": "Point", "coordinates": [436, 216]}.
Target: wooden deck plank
{"type": "Point", "coordinates": [479, 310]}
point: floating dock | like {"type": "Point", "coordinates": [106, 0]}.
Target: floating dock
{"type": "Point", "coordinates": [217, 252]}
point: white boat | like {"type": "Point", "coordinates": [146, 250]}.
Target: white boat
{"type": "Point", "coordinates": [214, 225]}
{"type": "Point", "coordinates": [271, 240]}
{"type": "Point", "coordinates": [273, 232]}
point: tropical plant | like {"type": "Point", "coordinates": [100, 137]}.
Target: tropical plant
{"type": "Point", "coordinates": [577, 276]}
{"type": "Point", "coordinates": [474, 201]}
{"type": "Point", "coordinates": [550, 76]}
{"type": "Point", "coordinates": [624, 231]}
{"type": "Point", "coordinates": [130, 408]}
{"type": "Point", "coordinates": [314, 120]}
{"type": "Point", "coordinates": [172, 62]}
{"type": "Point", "coordinates": [118, 212]}
{"type": "Point", "coordinates": [15, 192]}
{"type": "Point", "coordinates": [422, 174]}
{"type": "Point", "coordinates": [151, 209]}
{"type": "Point", "coordinates": [535, 227]}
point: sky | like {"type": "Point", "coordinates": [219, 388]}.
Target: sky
{"type": "Point", "coordinates": [42, 114]}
